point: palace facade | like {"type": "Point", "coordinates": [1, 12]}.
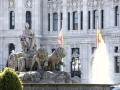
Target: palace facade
{"type": "Point", "coordinates": [76, 18]}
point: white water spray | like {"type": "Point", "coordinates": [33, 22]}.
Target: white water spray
{"type": "Point", "coordinates": [101, 66]}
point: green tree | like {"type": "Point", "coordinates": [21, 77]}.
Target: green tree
{"type": "Point", "coordinates": [9, 80]}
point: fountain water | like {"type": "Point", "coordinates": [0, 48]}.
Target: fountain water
{"type": "Point", "coordinates": [101, 65]}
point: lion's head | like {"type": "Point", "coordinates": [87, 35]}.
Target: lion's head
{"type": "Point", "coordinates": [60, 52]}
{"type": "Point", "coordinates": [42, 53]}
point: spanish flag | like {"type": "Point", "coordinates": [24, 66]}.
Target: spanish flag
{"type": "Point", "coordinates": [99, 38]}
{"type": "Point", "coordinates": [60, 39]}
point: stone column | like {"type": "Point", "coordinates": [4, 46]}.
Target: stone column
{"type": "Point", "coordinates": [79, 19]}
{"type": "Point", "coordinates": [59, 20]}
{"type": "Point", "coordinates": [64, 23]}
{"type": "Point", "coordinates": [85, 15]}
{"type": "Point", "coordinates": [71, 20]}
{"type": "Point", "coordinates": [64, 15]}
{"type": "Point", "coordinates": [51, 21]}
{"type": "Point", "coordinates": [99, 18]}
{"type": "Point", "coordinates": [91, 18]}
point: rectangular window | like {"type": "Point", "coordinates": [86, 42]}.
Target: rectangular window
{"type": "Point", "coordinates": [117, 64]}
{"type": "Point", "coordinates": [12, 19]}
{"type": "Point", "coordinates": [55, 22]}
{"type": "Point", "coordinates": [95, 18]}
{"type": "Point", "coordinates": [75, 63]}
{"type": "Point", "coordinates": [68, 20]}
{"type": "Point", "coordinates": [48, 21]}
{"type": "Point", "coordinates": [102, 19]}
{"type": "Point", "coordinates": [28, 19]}
{"type": "Point", "coordinates": [75, 20]}
{"type": "Point", "coordinates": [61, 18]}
{"type": "Point", "coordinates": [89, 19]}
{"type": "Point", "coordinates": [116, 15]}
{"type": "Point", "coordinates": [116, 49]}
{"type": "Point", "coordinates": [81, 18]}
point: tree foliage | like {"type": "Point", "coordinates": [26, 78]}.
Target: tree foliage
{"type": "Point", "coordinates": [9, 80]}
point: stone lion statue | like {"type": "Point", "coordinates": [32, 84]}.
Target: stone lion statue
{"type": "Point", "coordinates": [39, 59]}
{"type": "Point", "coordinates": [55, 58]}
{"type": "Point", "coordinates": [13, 60]}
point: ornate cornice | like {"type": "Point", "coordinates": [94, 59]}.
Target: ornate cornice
{"type": "Point", "coordinates": [95, 3]}
{"type": "Point", "coordinates": [55, 5]}
{"type": "Point", "coordinates": [74, 4]}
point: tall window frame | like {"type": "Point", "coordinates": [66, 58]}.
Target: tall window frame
{"type": "Point", "coordinates": [95, 18]}
{"type": "Point", "coordinates": [102, 19]}
{"type": "Point", "coordinates": [68, 20]}
{"type": "Point", "coordinates": [55, 21]}
{"type": "Point", "coordinates": [117, 64]}
{"type": "Point", "coordinates": [116, 15]}
{"type": "Point", "coordinates": [11, 47]}
{"type": "Point", "coordinates": [81, 20]}
{"type": "Point", "coordinates": [89, 19]}
{"type": "Point", "coordinates": [61, 19]}
{"type": "Point", "coordinates": [75, 63]}
{"type": "Point", "coordinates": [29, 18]}
{"type": "Point", "coordinates": [75, 20]}
{"type": "Point", "coordinates": [12, 20]}
{"type": "Point", "coordinates": [48, 21]}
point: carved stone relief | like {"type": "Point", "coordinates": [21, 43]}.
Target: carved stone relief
{"type": "Point", "coordinates": [11, 3]}
{"type": "Point", "coordinates": [95, 3]}
{"type": "Point", "coordinates": [55, 5]}
{"type": "Point", "coordinates": [74, 4]}
{"type": "Point", "coordinates": [28, 4]}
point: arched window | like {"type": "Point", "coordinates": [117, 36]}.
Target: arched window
{"type": "Point", "coordinates": [12, 19]}
{"type": "Point", "coordinates": [28, 18]}
{"type": "Point", "coordinates": [116, 15]}
{"type": "Point", "coordinates": [11, 47]}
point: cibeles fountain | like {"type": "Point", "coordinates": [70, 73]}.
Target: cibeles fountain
{"type": "Point", "coordinates": [35, 65]}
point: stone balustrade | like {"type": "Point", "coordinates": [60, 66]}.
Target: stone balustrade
{"type": "Point", "coordinates": [37, 86]}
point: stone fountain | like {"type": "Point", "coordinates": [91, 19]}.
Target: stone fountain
{"type": "Point", "coordinates": [35, 65]}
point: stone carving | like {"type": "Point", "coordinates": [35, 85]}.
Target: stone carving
{"type": "Point", "coordinates": [40, 58]}
{"type": "Point", "coordinates": [28, 3]}
{"type": "Point", "coordinates": [32, 59]}
{"type": "Point", "coordinates": [95, 3]}
{"type": "Point", "coordinates": [55, 58]}
{"type": "Point", "coordinates": [54, 5]}
{"type": "Point", "coordinates": [11, 3]}
{"type": "Point", "coordinates": [48, 77]}
{"type": "Point", "coordinates": [28, 40]}
{"type": "Point", "coordinates": [14, 59]}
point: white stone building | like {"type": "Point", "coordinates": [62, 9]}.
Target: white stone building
{"type": "Point", "coordinates": [77, 18]}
